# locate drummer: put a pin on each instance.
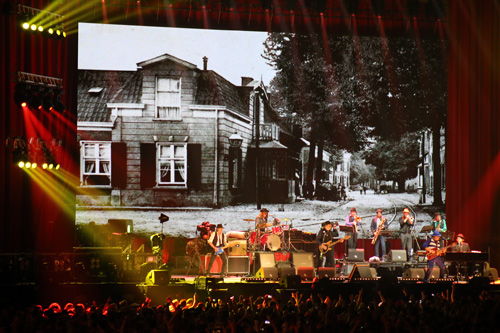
(261, 221)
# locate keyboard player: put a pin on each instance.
(456, 268)
(460, 245)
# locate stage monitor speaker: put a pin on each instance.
(356, 255)
(414, 273)
(363, 271)
(158, 277)
(238, 265)
(397, 256)
(240, 249)
(267, 273)
(280, 264)
(435, 273)
(305, 273)
(290, 282)
(491, 273)
(265, 260)
(302, 259)
(327, 272)
(285, 270)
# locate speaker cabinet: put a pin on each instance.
(328, 272)
(285, 270)
(363, 271)
(356, 255)
(240, 249)
(414, 273)
(265, 260)
(302, 259)
(397, 256)
(435, 273)
(238, 265)
(305, 273)
(310, 246)
(158, 277)
(290, 282)
(267, 273)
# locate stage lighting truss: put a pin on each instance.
(35, 153)
(39, 21)
(39, 92)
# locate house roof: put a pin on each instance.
(164, 57)
(213, 89)
(117, 87)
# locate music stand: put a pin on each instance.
(426, 229)
(346, 228)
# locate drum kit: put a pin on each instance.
(268, 236)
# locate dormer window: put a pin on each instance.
(168, 98)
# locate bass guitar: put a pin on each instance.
(330, 244)
(434, 252)
(221, 249)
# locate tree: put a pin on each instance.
(360, 172)
(395, 160)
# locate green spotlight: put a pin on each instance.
(33, 27)
(34, 165)
(27, 165)
(26, 25)
(45, 165)
(51, 166)
(20, 164)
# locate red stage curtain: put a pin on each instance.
(473, 162)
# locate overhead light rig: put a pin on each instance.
(39, 21)
(39, 92)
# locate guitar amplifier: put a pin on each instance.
(240, 249)
(397, 256)
(238, 265)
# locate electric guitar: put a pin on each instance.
(220, 250)
(431, 254)
(330, 244)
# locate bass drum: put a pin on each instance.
(273, 242)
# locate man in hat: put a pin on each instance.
(461, 245)
(432, 247)
(405, 224)
(261, 223)
(439, 224)
(217, 241)
(352, 220)
(326, 234)
(378, 224)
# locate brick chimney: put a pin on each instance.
(205, 63)
(245, 80)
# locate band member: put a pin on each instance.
(378, 224)
(327, 233)
(352, 220)
(218, 240)
(439, 224)
(460, 245)
(406, 223)
(432, 245)
(261, 221)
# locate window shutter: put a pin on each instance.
(118, 164)
(148, 165)
(194, 166)
(240, 168)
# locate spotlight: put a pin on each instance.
(58, 32)
(26, 25)
(51, 31)
(44, 166)
(23, 104)
(20, 164)
(58, 166)
(51, 166)
(34, 165)
(33, 27)
(40, 28)
(64, 34)
(27, 165)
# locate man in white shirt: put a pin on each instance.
(217, 241)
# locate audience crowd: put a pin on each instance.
(290, 312)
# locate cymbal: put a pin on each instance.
(264, 225)
(249, 220)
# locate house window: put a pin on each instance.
(95, 164)
(172, 164)
(168, 98)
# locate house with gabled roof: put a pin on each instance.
(160, 136)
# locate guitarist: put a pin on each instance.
(378, 224)
(327, 233)
(432, 245)
(218, 240)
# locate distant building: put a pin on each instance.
(426, 152)
(160, 136)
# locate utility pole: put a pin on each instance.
(256, 114)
